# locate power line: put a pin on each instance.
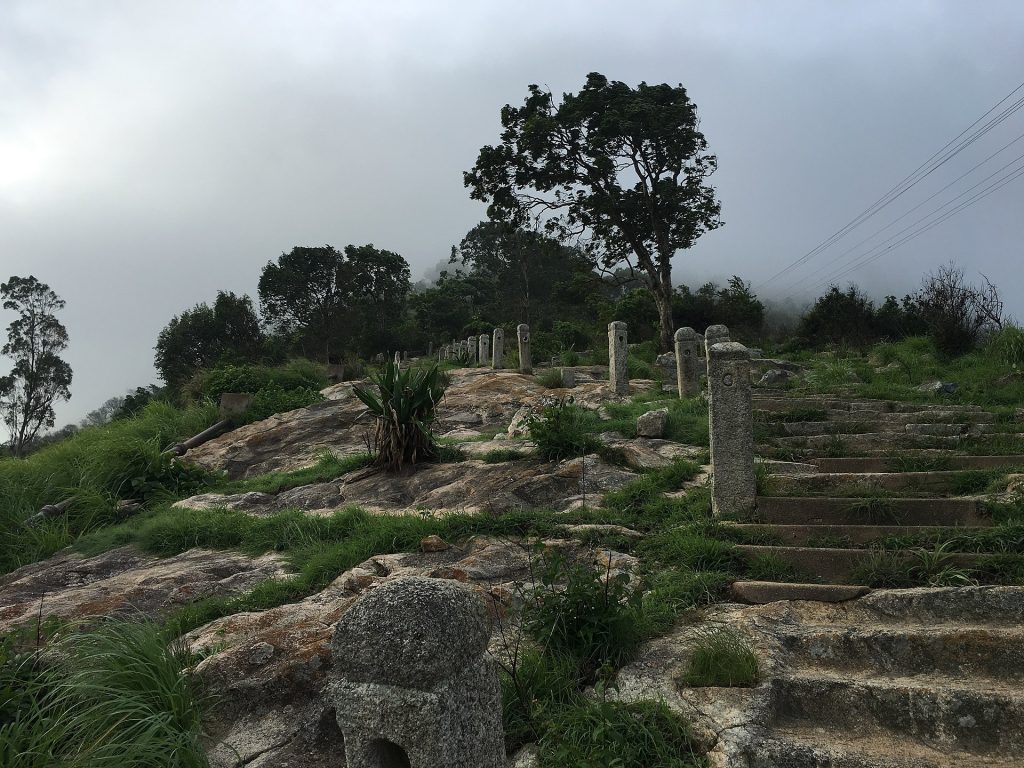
(867, 258)
(851, 249)
(933, 163)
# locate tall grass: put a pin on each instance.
(115, 696)
(97, 466)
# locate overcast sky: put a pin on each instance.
(152, 153)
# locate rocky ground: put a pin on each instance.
(839, 682)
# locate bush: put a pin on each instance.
(550, 379)
(273, 399)
(563, 431)
(404, 407)
(609, 733)
(117, 696)
(957, 314)
(590, 616)
(722, 657)
(1007, 346)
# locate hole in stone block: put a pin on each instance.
(385, 754)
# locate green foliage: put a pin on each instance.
(608, 733)
(500, 455)
(722, 658)
(578, 151)
(850, 319)
(39, 377)
(563, 431)
(583, 612)
(201, 337)
(550, 378)
(1007, 347)
(115, 696)
(329, 466)
(404, 409)
(734, 306)
(96, 466)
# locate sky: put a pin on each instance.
(153, 153)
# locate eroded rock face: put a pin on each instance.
(469, 487)
(476, 398)
(126, 581)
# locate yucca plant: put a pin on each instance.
(404, 407)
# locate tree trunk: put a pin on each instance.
(663, 298)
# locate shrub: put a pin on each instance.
(273, 399)
(610, 733)
(404, 407)
(956, 313)
(550, 379)
(117, 696)
(579, 611)
(724, 658)
(563, 431)
(1007, 346)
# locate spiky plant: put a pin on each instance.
(404, 407)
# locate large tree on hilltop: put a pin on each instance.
(39, 377)
(621, 170)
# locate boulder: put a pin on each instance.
(773, 377)
(652, 423)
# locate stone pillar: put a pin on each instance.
(525, 361)
(568, 378)
(618, 350)
(234, 404)
(413, 684)
(733, 485)
(715, 334)
(405, 356)
(485, 349)
(398, 357)
(471, 345)
(687, 371)
(498, 349)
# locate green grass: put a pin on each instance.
(499, 455)
(721, 658)
(115, 696)
(550, 378)
(329, 466)
(687, 418)
(97, 466)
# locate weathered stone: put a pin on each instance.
(484, 355)
(414, 685)
(234, 404)
(732, 429)
(761, 592)
(618, 351)
(687, 370)
(525, 360)
(652, 423)
(715, 334)
(939, 387)
(498, 349)
(774, 377)
(568, 378)
(434, 543)
(472, 349)
(124, 581)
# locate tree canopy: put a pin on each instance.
(620, 170)
(39, 377)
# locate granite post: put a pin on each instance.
(733, 485)
(498, 349)
(525, 361)
(687, 371)
(618, 351)
(485, 349)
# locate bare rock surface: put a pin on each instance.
(924, 677)
(468, 487)
(271, 668)
(126, 581)
(476, 399)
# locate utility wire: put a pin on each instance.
(793, 286)
(933, 163)
(867, 258)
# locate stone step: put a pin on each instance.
(840, 535)
(865, 441)
(765, 402)
(807, 746)
(791, 484)
(833, 565)
(846, 427)
(763, 592)
(899, 464)
(981, 717)
(960, 650)
(922, 606)
(819, 510)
